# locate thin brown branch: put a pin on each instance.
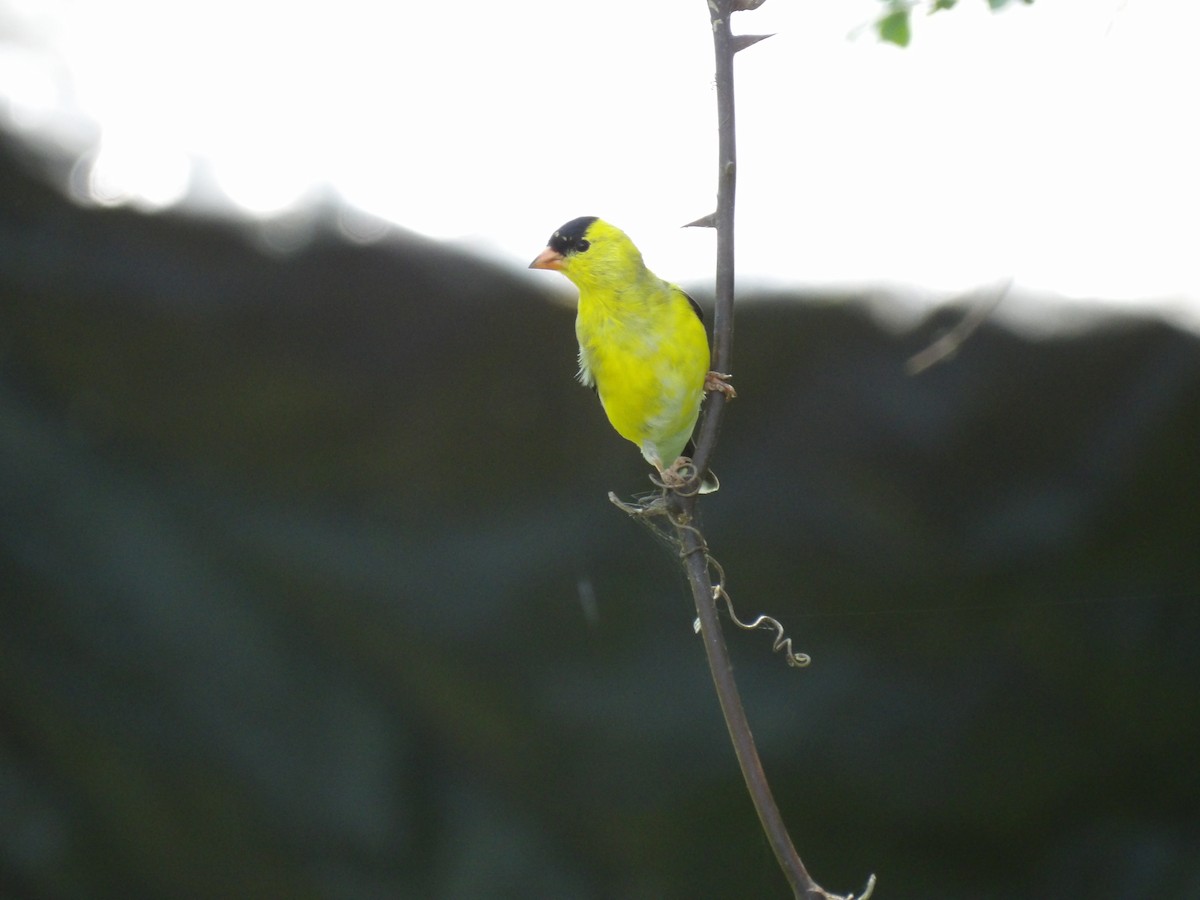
(696, 564)
(722, 220)
(682, 506)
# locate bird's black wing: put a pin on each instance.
(692, 300)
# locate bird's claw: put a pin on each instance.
(718, 381)
(678, 474)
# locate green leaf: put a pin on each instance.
(894, 28)
(943, 4)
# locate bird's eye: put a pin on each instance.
(582, 245)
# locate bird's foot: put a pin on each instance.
(679, 474)
(717, 381)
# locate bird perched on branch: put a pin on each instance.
(642, 344)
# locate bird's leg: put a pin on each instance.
(716, 381)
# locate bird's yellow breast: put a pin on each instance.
(645, 350)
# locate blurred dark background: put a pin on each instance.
(310, 588)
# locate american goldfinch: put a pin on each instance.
(642, 343)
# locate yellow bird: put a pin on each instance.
(642, 344)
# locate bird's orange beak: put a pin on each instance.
(548, 259)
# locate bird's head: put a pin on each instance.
(591, 253)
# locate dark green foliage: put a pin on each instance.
(311, 589)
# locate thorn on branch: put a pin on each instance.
(743, 5)
(709, 221)
(741, 41)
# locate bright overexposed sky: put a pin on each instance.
(1057, 143)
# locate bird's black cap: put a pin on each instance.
(569, 237)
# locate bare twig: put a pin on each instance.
(680, 506)
(946, 346)
(696, 564)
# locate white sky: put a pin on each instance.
(1056, 143)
